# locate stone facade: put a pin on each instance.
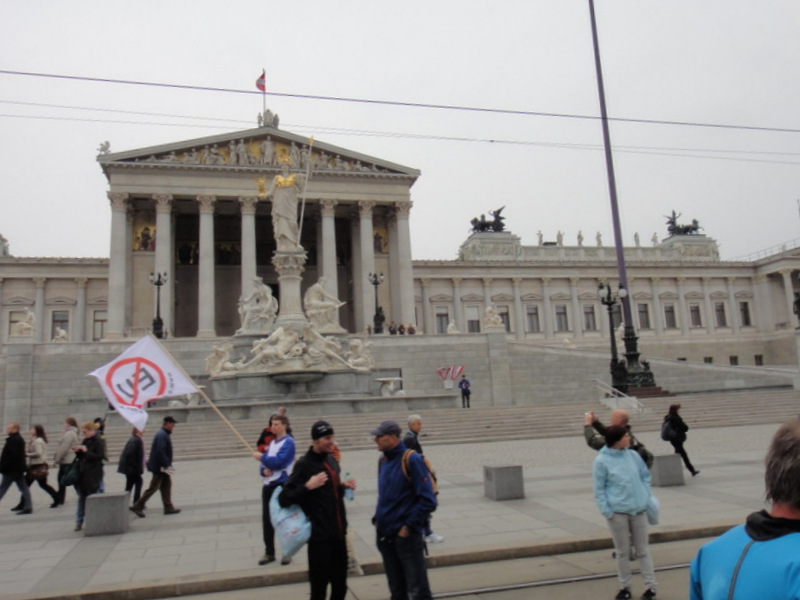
(200, 211)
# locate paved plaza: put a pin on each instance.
(216, 541)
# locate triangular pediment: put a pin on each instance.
(256, 150)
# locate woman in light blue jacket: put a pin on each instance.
(622, 491)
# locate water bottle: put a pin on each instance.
(348, 492)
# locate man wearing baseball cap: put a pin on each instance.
(405, 502)
(159, 463)
(316, 486)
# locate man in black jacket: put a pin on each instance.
(12, 467)
(316, 486)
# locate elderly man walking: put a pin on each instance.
(411, 440)
(405, 502)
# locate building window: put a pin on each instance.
(532, 319)
(99, 325)
(562, 320)
(616, 315)
(734, 361)
(694, 315)
(709, 360)
(473, 319)
(589, 320)
(15, 316)
(442, 319)
(669, 317)
(719, 311)
(502, 312)
(759, 360)
(744, 313)
(644, 315)
(60, 319)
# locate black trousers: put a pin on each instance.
(682, 452)
(266, 522)
(327, 564)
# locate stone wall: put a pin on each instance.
(44, 383)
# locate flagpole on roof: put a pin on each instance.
(206, 398)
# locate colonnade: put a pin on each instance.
(119, 284)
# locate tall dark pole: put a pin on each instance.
(158, 280)
(377, 323)
(637, 375)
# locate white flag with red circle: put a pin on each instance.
(143, 373)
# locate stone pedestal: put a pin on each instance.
(107, 514)
(503, 482)
(667, 471)
(290, 267)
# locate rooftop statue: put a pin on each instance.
(674, 228)
(496, 224)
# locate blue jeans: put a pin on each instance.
(404, 563)
(22, 485)
(81, 514)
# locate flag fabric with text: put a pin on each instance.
(261, 82)
(141, 374)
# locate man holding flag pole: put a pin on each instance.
(143, 373)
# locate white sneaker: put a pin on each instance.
(434, 539)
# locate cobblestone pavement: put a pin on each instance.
(218, 534)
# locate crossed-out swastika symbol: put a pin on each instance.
(132, 381)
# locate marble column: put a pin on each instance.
(328, 242)
(206, 315)
(367, 250)
(577, 316)
(711, 317)
(487, 299)
(458, 307)
(42, 331)
(394, 269)
(548, 315)
(764, 316)
(682, 309)
(358, 276)
(406, 276)
(248, 205)
(78, 330)
(519, 316)
(164, 262)
(428, 326)
(733, 308)
(788, 289)
(658, 310)
(118, 266)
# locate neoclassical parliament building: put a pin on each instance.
(198, 212)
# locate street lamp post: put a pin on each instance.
(609, 299)
(637, 374)
(377, 324)
(158, 280)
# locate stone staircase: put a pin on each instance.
(193, 441)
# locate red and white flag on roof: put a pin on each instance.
(143, 373)
(261, 82)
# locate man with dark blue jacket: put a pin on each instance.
(405, 502)
(159, 463)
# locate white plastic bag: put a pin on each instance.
(653, 506)
(292, 527)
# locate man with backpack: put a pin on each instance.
(405, 502)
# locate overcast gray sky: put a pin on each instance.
(715, 62)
